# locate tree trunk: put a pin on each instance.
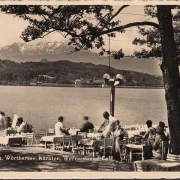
(170, 73)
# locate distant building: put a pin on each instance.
(77, 82)
(32, 84)
(81, 82)
(46, 79)
(87, 82)
(98, 81)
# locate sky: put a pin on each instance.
(11, 28)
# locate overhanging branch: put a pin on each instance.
(119, 10)
(98, 33)
(145, 23)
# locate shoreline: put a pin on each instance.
(85, 86)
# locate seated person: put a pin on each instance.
(7, 122)
(2, 115)
(21, 126)
(119, 132)
(162, 124)
(157, 145)
(150, 133)
(59, 128)
(87, 125)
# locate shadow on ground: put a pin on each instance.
(38, 160)
(41, 160)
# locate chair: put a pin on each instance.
(82, 134)
(172, 157)
(146, 153)
(138, 166)
(29, 139)
(58, 143)
(123, 153)
(38, 138)
(75, 144)
(67, 142)
(106, 166)
(126, 137)
(107, 146)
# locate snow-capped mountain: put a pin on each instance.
(24, 52)
(55, 51)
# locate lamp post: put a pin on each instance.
(112, 82)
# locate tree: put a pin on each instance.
(162, 45)
(86, 27)
(151, 37)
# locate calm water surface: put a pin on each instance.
(41, 106)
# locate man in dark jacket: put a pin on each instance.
(87, 125)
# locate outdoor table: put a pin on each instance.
(94, 143)
(52, 139)
(134, 147)
(160, 165)
(10, 140)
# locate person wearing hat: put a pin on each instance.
(86, 126)
(59, 128)
(157, 145)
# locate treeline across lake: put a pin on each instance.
(66, 72)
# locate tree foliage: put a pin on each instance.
(66, 72)
(86, 26)
(151, 36)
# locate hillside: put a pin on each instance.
(53, 51)
(66, 72)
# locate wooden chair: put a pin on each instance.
(58, 143)
(67, 143)
(31, 139)
(82, 134)
(123, 153)
(38, 138)
(107, 146)
(75, 144)
(138, 166)
(126, 137)
(106, 166)
(172, 157)
(144, 154)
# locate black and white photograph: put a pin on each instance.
(89, 88)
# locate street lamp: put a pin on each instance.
(112, 82)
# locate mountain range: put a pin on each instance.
(57, 51)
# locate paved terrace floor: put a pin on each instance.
(47, 160)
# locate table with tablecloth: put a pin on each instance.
(51, 139)
(158, 165)
(94, 143)
(10, 140)
(132, 147)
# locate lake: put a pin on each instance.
(41, 106)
